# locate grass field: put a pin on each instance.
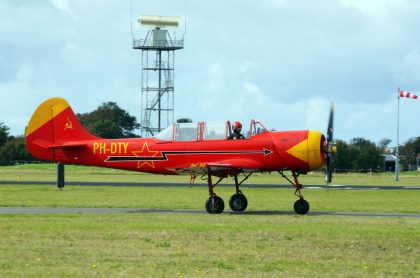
(29, 172)
(202, 245)
(156, 245)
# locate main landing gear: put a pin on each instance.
(216, 205)
(301, 206)
(238, 201)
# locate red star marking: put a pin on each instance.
(145, 152)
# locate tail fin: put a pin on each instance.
(54, 126)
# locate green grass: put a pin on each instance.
(402, 201)
(29, 172)
(202, 245)
(162, 245)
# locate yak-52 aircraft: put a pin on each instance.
(55, 134)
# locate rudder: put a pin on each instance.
(52, 125)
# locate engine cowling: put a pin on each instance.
(301, 150)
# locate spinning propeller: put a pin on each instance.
(330, 147)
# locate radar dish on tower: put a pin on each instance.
(158, 21)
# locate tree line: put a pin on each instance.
(12, 148)
(110, 121)
(106, 121)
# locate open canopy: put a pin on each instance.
(202, 131)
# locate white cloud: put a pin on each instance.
(64, 6)
(246, 66)
(213, 89)
(25, 73)
(279, 61)
(382, 10)
(407, 71)
(316, 112)
(252, 93)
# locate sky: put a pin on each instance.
(280, 61)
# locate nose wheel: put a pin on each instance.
(301, 206)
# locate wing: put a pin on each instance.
(221, 168)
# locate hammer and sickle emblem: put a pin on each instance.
(68, 125)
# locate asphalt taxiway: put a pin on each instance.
(35, 210)
(154, 184)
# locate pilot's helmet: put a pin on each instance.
(237, 126)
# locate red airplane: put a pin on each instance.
(55, 134)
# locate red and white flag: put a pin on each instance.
(407, 94)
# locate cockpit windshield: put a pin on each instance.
(185, 132)
(166, 134)
(213, 131)
(257, 128)
(179, 132)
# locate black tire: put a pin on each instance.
(215, 205)
(238, 202)
(301, 206)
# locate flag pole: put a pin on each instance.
(397, 153)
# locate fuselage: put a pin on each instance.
(54, 133)
(268, 151)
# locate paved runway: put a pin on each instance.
(145, 184)
(27, 210)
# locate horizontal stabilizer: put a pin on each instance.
(50, 145)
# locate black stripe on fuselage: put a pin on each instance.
(164, 155)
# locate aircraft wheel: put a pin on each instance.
(301, 206)
(215, 205)
(238, 202)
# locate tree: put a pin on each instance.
(409, 151)
(413, 144)
(14, 150)
(342, 159)
(109, 121)
(4, 134)
(365, 155)
(359, 155)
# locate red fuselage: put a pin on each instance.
(60, 137)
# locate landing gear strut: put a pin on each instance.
(237, 202)
(301, 206)
(214, 204)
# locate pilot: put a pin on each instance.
(237, 128)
